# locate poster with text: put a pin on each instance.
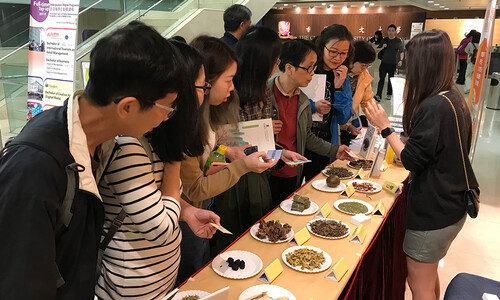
(51, 58)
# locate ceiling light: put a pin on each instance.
(372, 4)
(323, 3)
(442, 6)
(297, 9)
(345, 9)
(446, 8)
(430, 1)
(286, 4)
(436, 4)
(365, 3)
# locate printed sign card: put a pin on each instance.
(359, 235)
(338, 270)
(324, 211)
(300, 237)
(379, 209)
(348, 192)
(368, 142)
(392, 187)
(271, 272)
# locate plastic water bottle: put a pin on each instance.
(215, 156)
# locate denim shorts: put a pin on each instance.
(431, 246)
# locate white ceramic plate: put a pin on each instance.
(286, 205)
(255, 228)
(377, 186)
(348, 177)
(328, 237)
(322, 186)
(253, 264)
(183, 294)
(351, 166)
(272, 291)
(336, 205)
(324, 266)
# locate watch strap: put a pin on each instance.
(387, 131)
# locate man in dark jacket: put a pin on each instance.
(131, 90)
(236, 22)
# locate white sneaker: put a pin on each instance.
(389, 97)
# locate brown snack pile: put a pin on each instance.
(340, 172)
(329, 228)
(274, 230)
(306, 259)
(363, 187)
(361, 163)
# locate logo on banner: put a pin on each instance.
(40, 9)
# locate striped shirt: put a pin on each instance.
(142, 259)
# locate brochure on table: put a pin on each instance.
(316, 91)
(368, 142)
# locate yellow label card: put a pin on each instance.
(385, 165)
(272, 271)
(348, 192)
(379, 209)
(359, 234)
(338, 270)
(361, 174)
(301, 237)
(392, 187)
(324, 211)
(390, 155)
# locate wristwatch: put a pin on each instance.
(387, 131)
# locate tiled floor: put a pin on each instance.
(476, 249)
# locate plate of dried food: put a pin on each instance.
(325, 186)
(299, 205)
(266, 292)
(328, 228)
(190, 295)
(365, 186)
(342, 173)
(272, 232)
(306, 259)
(360, 163)
(353, 206)
(237, 264)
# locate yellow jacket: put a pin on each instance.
(364, 93)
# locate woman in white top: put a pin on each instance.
(473, 45)
(142, 259)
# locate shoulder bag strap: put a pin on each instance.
(460, 140)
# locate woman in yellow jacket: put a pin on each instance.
(361, 87)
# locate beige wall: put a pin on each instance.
(457, 27)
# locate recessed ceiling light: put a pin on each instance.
(430, 1)
(372, 4)
(446, 8)
(286, 4)
(441, 6)
(436, 4)
(323, 3)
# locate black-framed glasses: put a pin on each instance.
(170, 109)
(309, 70)
(334, 53)
(206, 88)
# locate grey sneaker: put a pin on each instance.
(377, 98)
(389, 97)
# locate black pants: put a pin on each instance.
(317, 165)
(461, 71)
(383, 70)
(281, 188)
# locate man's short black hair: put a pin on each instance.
(133, 61)
(363, 52)
(392, 26)
(234, 15)
(294, 52)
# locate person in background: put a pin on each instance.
(377, 38)
(469, 49)
(433, 154)
(142, 258)
(391, 46)
(45, 257)
(335, 48)
(297, 64)
(462, 56)
(236, 22)
(361, 87)
(215, 92)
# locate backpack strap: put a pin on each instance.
(54, 146)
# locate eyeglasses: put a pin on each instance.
(170, 109)
(277, 62)
(309, 70)
(334, 53)
(206, 88)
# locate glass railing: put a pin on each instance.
(97, 18)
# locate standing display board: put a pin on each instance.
(51, 58)
(477, 92)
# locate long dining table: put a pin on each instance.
(376, 267)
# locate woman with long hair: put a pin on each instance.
(435, 154)
(219, 104)
(335, 48)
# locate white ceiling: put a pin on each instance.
(425, 4)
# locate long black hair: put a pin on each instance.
(259, 49)
(180, 134)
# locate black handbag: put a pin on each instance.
(471, 196)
